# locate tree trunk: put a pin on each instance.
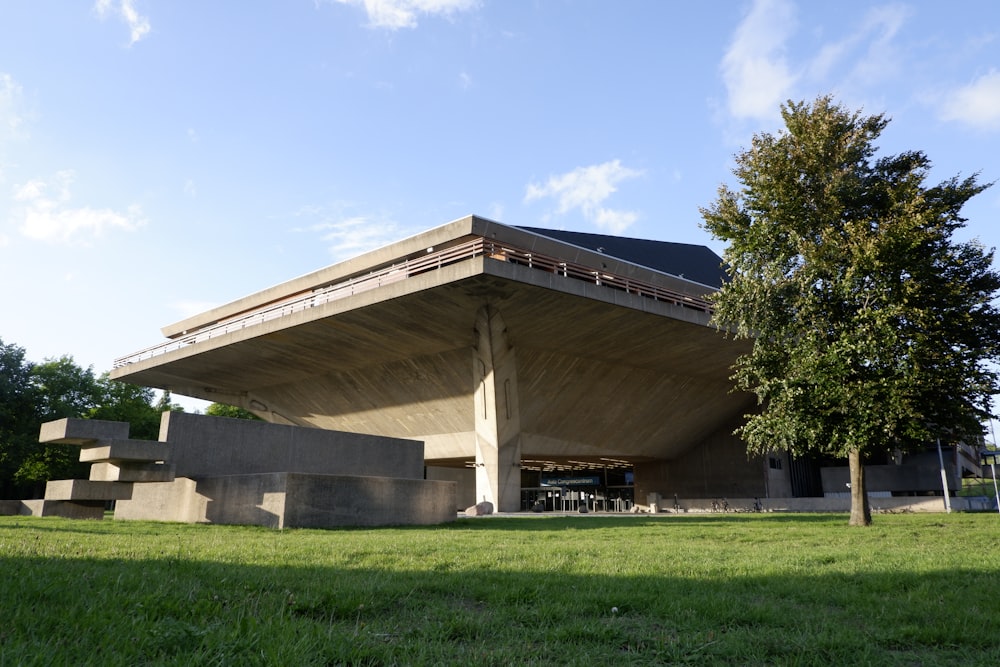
(861, 513)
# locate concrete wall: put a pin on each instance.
(465, 480)
(719, 467)
(313, 501)
(64, 508)
(211, 446)
(293, 500)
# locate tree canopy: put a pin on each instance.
(873, 328)
(33, 393)
(231, 411)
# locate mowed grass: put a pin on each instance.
(710, 589)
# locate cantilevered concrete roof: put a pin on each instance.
(614, 357)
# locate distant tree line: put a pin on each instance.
(33, 393)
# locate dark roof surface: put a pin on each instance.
(693, 262)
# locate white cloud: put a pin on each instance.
(586, 188)
(977, 104)
(754, 69)
(138, 25)
(45, 214)
(759, 76)
(396, 14)
(615, 222)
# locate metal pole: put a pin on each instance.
(944, 479)
(993, 467)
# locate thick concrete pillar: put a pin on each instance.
(498, 422)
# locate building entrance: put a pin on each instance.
(592, 490)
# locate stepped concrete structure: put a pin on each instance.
(218, 470)
(540, 368)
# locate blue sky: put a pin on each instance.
(161, 157)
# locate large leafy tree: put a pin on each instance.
(123, 402)
(18, 415)
(61, 388)
(33, 393)
(873, 328)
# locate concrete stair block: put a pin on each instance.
(72, 431)
(88, 509)
(82, 489)
(106, 471)
(149, 451)
(12, 507)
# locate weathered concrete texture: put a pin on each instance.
(293, 500)
(72, 431)
(315, 501)
(202, 446)
(465, 480)
(697, 474)
(83, 509)
(162, 501)
(106, 471)
(497, 414)
(11, 507)
(86, 490)
(123, 450)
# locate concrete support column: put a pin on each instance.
(498, 422)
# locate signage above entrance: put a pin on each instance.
(571, 481)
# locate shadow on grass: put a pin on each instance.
(377, 609)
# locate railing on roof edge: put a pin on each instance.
(432, 261)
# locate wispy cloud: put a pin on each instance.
(976, 104)
(396, 14)
(349, 235)
(13, 126)
(585, 189)
(864, 59)
(755, 71)
(759, 76)
(12, 122)
(880, 60)
(43, 212)
(138, 25)
(185, 309)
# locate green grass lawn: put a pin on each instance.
(711, 589)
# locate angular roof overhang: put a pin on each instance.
(610, 354)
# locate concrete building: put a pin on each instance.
(535, 365)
